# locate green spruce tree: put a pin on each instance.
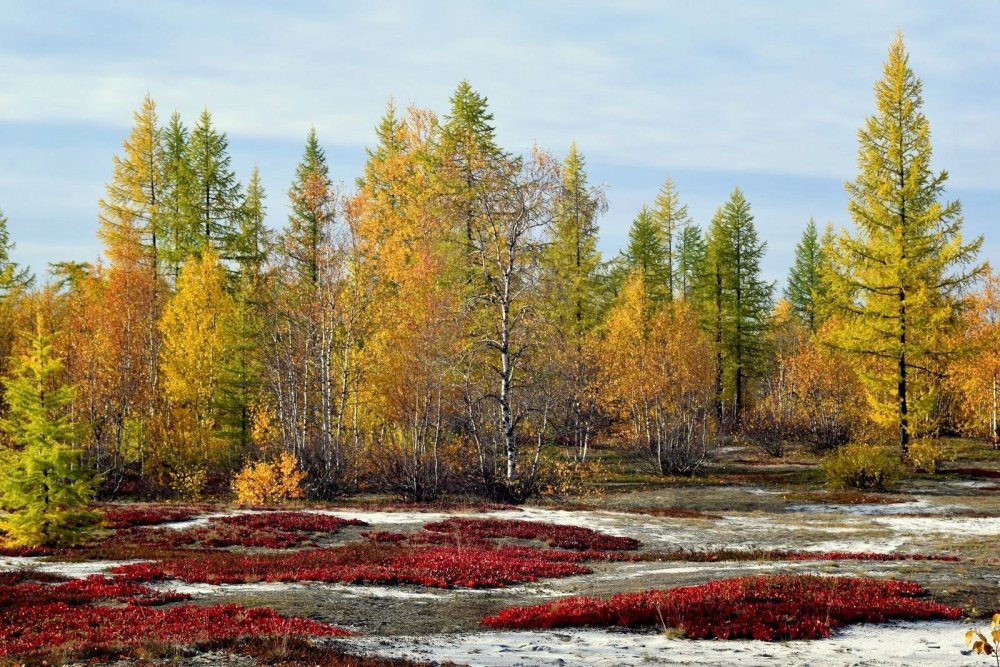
(214, 189)
(313, 210)
(45, 486)
(807, 290)
(647, 256)
(691, 259)
(13, 278)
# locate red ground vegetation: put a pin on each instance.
(128, 516)
(101, 613)
(270, 530)
(769, 608)
(555, 535)
(432, 566)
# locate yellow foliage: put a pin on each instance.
(275, 482)
(656, 378)
(927, 455)
(861, 466)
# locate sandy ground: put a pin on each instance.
(937, 644)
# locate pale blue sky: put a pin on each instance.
(766, 96)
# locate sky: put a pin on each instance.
(764, 96)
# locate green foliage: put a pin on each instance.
(738, 302)
(807, 290)
(571, 258)
(13, 278)
(672, 218)
(251, 242)
(691, 259)
(863, 467)
(45, 486)
(313, 211)
(215, 192)
(647, 255)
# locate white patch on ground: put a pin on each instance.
(198, 521)
(71, 570)
(383, 518)
(724, 569)
(344, 590)
(922, 644)
(881, 546)
(941, 525)
(875, 509)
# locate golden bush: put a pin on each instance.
(265, 482)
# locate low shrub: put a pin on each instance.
(265, 482)
(769, 608)
(270, 530)
(927, 456)
(129, 516)
(555, 535)
(431, 566)
(862, 467)
(101, 613)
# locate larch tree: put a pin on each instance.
(747, 298)
(807, 289)
(974, 377)
(131, 207)
(249, 252)
(656, 378)
(672, 217)
(178, 201)
(571, 265)
(313, 208)
(214, 190)
(311, 361)
(647, 254)
(413, 331)
(691, 257)
(45, 487)
(899, 277)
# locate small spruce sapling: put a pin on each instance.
(45, 487)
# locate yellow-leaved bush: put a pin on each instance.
(927, 456)
(266, 482)
(862, 466)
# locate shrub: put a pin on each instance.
(860, 466)
(432, 566)
(769, 608)
(275, 482)
(555, 535)
(927, 456)
(37, 618)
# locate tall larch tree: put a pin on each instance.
(133, 202)
(647, 255)
(748, 300)
(574, 291)
(672, 217)
(413, 339)
(691, 251)
(900, 275)
(45, 488)
(215, 192)
(807, 289)
(313, 208)
(178, 202)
